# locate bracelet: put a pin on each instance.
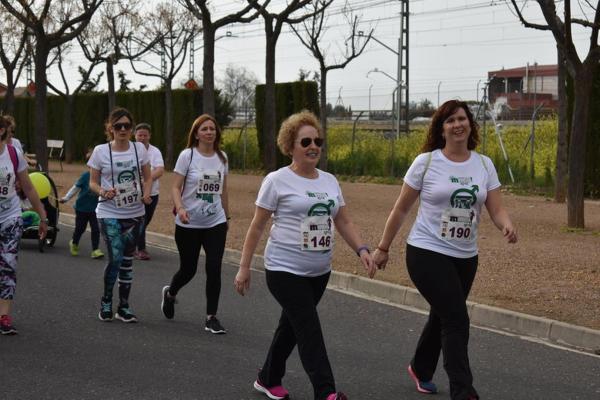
(382, 249)
(361, 248)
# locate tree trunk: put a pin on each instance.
(270, 119)
(41, 109)
(323, 112)
(69, 125)
(562, 148)
(8, 105)
(110, 77)
(579, 127)
(169, 123)
(208, 72)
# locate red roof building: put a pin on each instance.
(520, 90)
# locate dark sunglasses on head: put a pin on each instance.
(122, 126)
(305, 142)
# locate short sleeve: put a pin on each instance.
(492, 182)
(83, 180)
(183, 162)
(415, 174)
(267, 194)
(22, 163)
(341, 200)
(95, 160)
(143, 154)
(226, 165)
(156, 158)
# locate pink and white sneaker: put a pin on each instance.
(274, 392)
(337, 396)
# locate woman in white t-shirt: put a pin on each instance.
(452, 183)
(120, 175)
(12, 168)
(201, 203)
(305, 203)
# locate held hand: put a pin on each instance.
(183, 215)
(147, 200)
(242, 281)
(367, 261)
(43, 229)
(510, 233)
(62, 200)
(380, 258)
(109, 194)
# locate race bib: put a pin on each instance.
(7, 187)
(458, 224)
(127, 194)
(317, 233)
(210, 182)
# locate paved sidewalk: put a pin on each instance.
(538, 328)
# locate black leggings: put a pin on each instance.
(445, 283)
(189, 241)
(299, 324)
(81, 220)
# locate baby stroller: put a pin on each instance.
(50, 202)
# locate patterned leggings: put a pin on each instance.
(120, 236)
(10, 237)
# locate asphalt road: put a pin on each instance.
(64, 352)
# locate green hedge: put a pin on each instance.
(592, 148)
(91, 111)
(290, 97)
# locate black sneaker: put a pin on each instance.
(105, 313)
(6, 326)
(214, 326)
(125, 314)
(168, 303)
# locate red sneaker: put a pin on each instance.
(142, 255)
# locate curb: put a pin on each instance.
(516, 323)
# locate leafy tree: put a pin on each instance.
(13, 52)
(89, 83)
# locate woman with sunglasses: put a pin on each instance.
(305, 203)
(202, 210)
(120, 175)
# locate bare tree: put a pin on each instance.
(51, 27)
(13, 52)
(202, 10)
(239, 85)
(582, 73)
(106, 38)
(273, 24)
(175, 29)
(68, 95)
(311, 36)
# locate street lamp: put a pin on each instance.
(398, 78)
(395, 94)
(370, 86)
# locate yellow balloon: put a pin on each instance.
(41, 184)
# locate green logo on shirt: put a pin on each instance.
(464, 198)
(321, 208)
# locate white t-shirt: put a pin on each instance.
(200, 196)
(17, 144)
(292, 199)
(452, 194)
(124, 170)
(156, 161)
(10, 205)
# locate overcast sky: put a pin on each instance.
(452, 44)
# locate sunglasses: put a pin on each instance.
(305, 142)
(122, 126)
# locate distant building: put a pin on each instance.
(21, 91)
(516, 92)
